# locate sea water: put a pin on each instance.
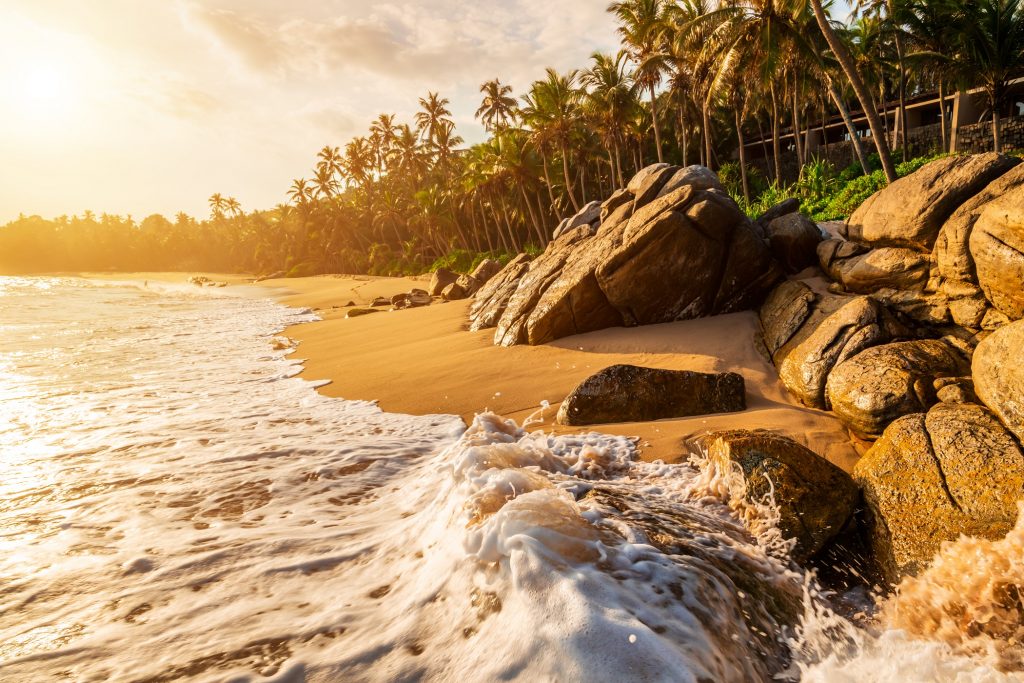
(175, 504)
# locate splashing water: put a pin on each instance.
(175, 504)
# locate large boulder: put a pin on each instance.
(954, 272)
(815, 499)
(651, 185)
(491, 300)
(589, 215)
(794, 241)
(910, 211)
(881, 268)
(485, 270)
(643, 177)
(784, 312)
(931, 478)
(439, 279)
(838, 328)
(628, 393)
(997, 247)
(687, 254)
(880, 384)
(998, 369)
(783, 208)
(617, 199)
(463, 288)
(696, 176)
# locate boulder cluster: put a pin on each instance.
(914, 339)
(671, 245)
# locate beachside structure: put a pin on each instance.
(968, 121)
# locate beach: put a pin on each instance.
(425, 361)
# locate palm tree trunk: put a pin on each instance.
(903, 84)
(997, 143)
(776, 145)
(483, 219)
(497, 224)
(796, 126)
(848, 120)
(863, 94)
(743, 156)
(513, 242)
(706, 113)
(764, 145)
(565, 175)
(533, 216)
(654, 121)
(547, 177)
(618, 164)
(544, 222)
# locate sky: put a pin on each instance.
(150, 106)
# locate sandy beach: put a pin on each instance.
(424, 361)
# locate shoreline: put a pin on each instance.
(425, 361)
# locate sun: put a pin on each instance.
(44, 84)
(42, 90)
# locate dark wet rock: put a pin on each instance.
(414, 298)
(998, 369)
(931, 478)
(381, 301)
(794, 240)
(785, 310)
(839, 328)
(628, 393)
(439, 279)
(954, 272)
(357, 312)
(815, 499)
(997, 247)
(910, 211)
(783, 208)
(490, 301)
(880, 384)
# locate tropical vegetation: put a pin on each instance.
(694, 80)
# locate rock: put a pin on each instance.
(815, 499)
(439, 279)
(651, 186)
(993, 320)
(954, 266)
(910, 211)
(356, 312)
(968, 311)
(491, 300)
(696, 176)
(617, 199)
(380, 301)
(955, 390)
(998, 369)
(589, 215)
(885, 267)
(642, 176)
(414, 298)
(931, 478)
(787, 307)
(485, 270)
(794, 240)
(783, 208)
(880, 384)
(839, 328)
(930, 309)
(463, 288)
(997, 247)
(511, 326)
(833, 252)
(617, 217)
(627, 393)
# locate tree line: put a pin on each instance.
(692, 82)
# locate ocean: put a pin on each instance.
(176, 504)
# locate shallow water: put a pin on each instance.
(176, 504)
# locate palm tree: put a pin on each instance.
(301, 193)
(232, 206)
(642, 26)
(931, 28)
(610, 99)
(552, 108)
(867, 103)
(497, 110)
(434, 115)
(994, 51)
(218, 204)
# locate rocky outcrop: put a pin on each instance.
(866, 271)
(997, 248)
(697, 177)
(880, 384)
(589, 215)
(932, 477)
(815, 499)
(910, 211)
(794, 241)
(491, 300)
(681, 255)
(998, 368)
(439, 279)
(485, 270)
(837, 328)
(628, 393)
